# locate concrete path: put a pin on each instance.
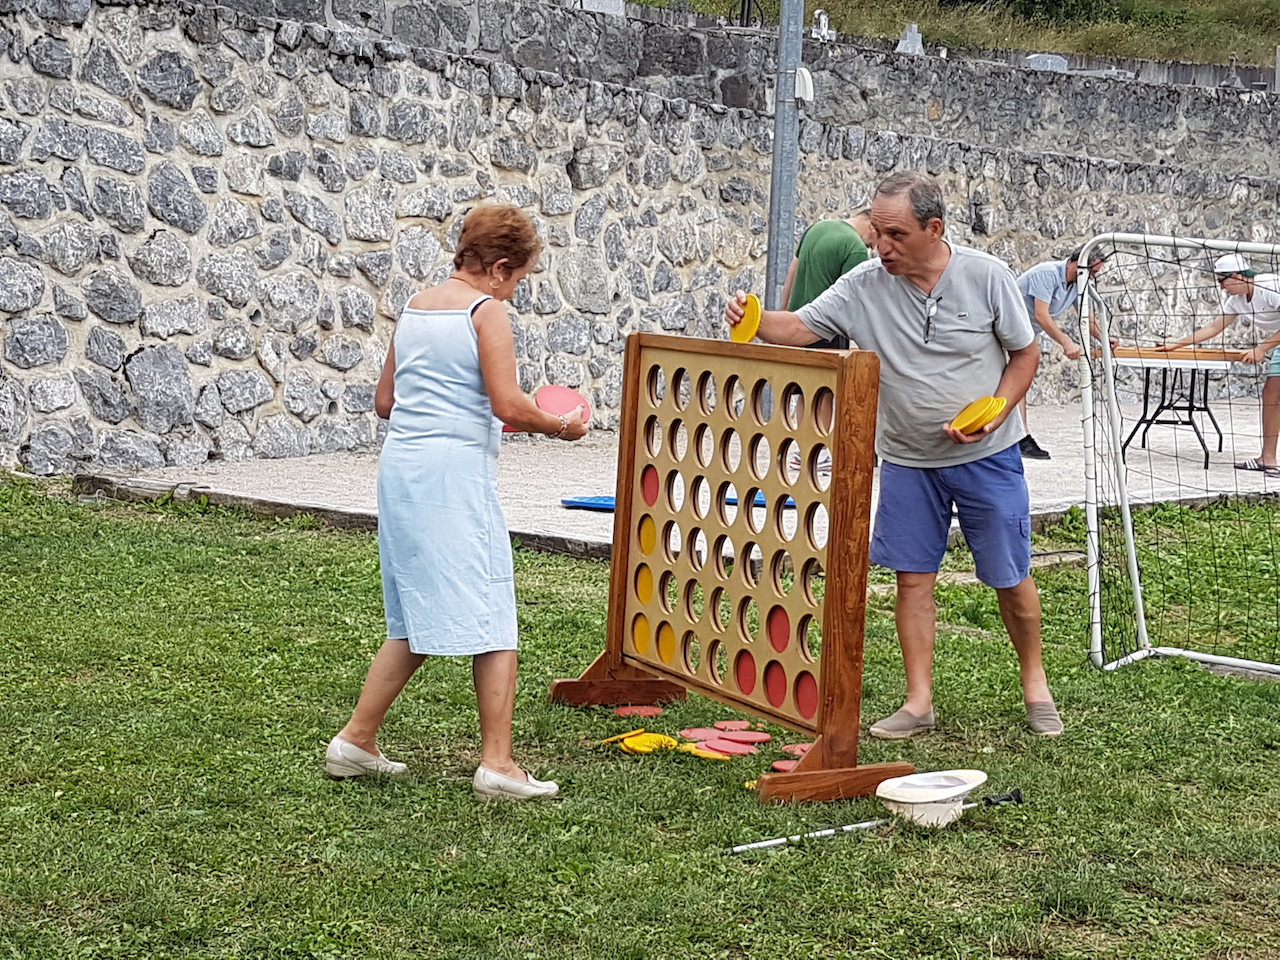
(535, 474)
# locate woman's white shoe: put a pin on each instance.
(490, 785)
(343, 759)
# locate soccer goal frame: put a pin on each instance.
(1104, 447)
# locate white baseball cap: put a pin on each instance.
(1231, 263)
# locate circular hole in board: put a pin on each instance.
(762, 401)
(682, 387)
(707, 397)
(656, 385)
(735, 398)
(793, 405)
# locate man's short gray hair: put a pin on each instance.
(923, 193)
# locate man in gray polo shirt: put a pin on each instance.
(949, 326)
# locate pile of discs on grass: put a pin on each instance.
(722, 741)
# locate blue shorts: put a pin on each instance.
(914, 517)
(1273, 366)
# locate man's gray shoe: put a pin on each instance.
(902, 725)
(1043, 719)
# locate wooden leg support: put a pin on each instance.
(604, 683)
(830, 784)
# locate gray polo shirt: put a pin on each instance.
(979, 316)
(1048, 282)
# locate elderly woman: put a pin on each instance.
(448, 385)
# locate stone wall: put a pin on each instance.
(210, 220)
(1218, 130)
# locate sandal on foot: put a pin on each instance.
(1257, 467)
(1042, 718)
(902, 725)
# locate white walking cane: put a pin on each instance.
(923, 812)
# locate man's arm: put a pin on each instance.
(791, 279)
(1259, 353)
(1050, 326)
(1207, 332)
(776, 326)
(1014, 384)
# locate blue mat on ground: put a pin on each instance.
(607, 503)
(588, 503)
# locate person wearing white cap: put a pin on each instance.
(1256, 296)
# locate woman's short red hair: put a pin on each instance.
(497, 231)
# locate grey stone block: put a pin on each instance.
(104, 395)
(242, 390)
(162, 384)
(166, 318)
(35, 343)
(163, 260)
(170, 198)
(110, 295)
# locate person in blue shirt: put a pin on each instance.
(1050, 290)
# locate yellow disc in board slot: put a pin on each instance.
(648, 531)
(640, 638)
(666, 642)
(644, 583)
(746, 328)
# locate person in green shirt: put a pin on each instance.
(828, 250)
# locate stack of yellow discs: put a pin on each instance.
(648, 743)
(978, 414)
(746, 328)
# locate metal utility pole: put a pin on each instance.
(786, 153)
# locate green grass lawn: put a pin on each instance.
(171, 675)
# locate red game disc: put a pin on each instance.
(562, 401)
(700, 733)
(727, 746)
(785, 766)
(639, 711)
(745, 736)
(733, 724)
(797, 749)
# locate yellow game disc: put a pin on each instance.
(978, 414)
(746, 328)
(648, 742)
(705, 754)
(622, 736)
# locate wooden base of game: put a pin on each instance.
(608, 683)
(799, 786)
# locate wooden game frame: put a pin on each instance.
(627, 674)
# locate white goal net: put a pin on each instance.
(1182, 507)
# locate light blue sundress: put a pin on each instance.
(447, 580)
